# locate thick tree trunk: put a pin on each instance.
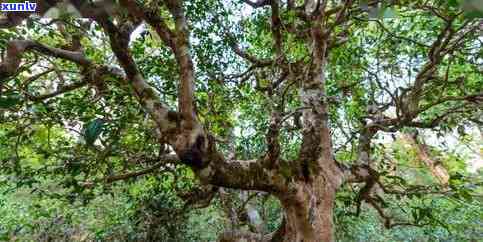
(308, 211)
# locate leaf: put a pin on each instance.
(466, 195)
(473, 14)
(415, 214)
(389, 13)
(92, 130)
(9, 101)
(453, 3)
(456, 176)
(398, 179)
(461, 130)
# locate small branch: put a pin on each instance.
(152, 19)
(186, 99)
(126, 176)
(59, 91)
(166, 159)
(35, 77)
(120, 46)
(276, 25)
(240, 52)
(341, 15)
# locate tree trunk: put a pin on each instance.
(308, 211)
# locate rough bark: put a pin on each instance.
(240, 236)
(308, 202)
(308, 212)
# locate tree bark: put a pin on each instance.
(308, 209)
(308, 202)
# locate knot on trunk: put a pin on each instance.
(193, 156)
(191, 148)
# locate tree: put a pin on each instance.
(320, 80)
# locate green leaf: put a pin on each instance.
(92, 130)
(9, 101)
(473, 14)
(453, 3)
(389, 13)
(415, 214)
(466, 195)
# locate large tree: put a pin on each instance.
(322, 81)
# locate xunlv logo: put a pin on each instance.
(18, 7)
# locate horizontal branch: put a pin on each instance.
(240, 174)
(164, 160)
(58, 92)
(16, 48)
(250, 58)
